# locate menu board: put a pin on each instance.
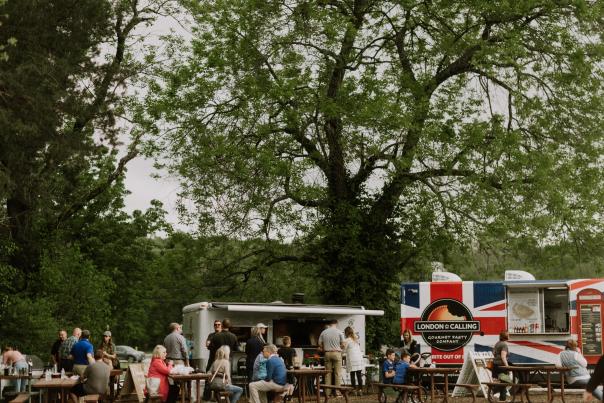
(591, 329)
(524, 311)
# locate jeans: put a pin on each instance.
(19, 385)
(234, 392)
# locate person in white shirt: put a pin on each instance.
(578, 376)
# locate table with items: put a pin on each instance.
(303, 377)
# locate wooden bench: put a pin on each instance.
(221, 396)
(470, 387)
(20, 398)
(285, 394)
(92, 398)
(522, 388)
(402, 389)
(342, 389)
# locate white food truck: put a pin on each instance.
(303, 323)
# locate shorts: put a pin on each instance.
(78, 390)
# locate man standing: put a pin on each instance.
(276, 375)
(82, 353)
(222, 338)
(56, 347)
(331, 341)
(210, 345)
(176, 346)
(95, 378)
(65, 350)
(225, 337)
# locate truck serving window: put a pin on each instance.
(304, 332)
(538, 309)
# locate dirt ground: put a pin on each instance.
(536, 397)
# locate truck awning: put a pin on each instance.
(328, 310)
(536, 283)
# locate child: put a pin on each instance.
(287, 352)
(400, 369)
(388, 366)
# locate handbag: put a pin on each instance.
(504, 377)
(217, 382)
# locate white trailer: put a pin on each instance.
(303, 323)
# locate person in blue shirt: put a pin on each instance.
(400, 369)
(276, 375)
(388, 366)
(83, 353)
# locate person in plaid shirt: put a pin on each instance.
(65, 350)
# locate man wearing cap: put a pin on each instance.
(176, 346)
(331, 341)
(82, 353)
(109, 353)
(253, 347)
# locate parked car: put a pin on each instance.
(127, 353)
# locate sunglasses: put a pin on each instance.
(217, 324)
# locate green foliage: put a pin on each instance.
(377, 132)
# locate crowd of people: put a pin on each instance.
(267, 364)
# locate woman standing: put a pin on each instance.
(253, 347)
(108, 347)
(159, 369)
(221, 368)
(354, 359)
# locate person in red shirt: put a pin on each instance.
(160, 369)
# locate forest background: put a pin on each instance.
(338, 155)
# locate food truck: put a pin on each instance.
(448, 316)
(302, 322)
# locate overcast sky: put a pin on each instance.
(140, 179)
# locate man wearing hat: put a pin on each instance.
(253, 347)
(109, 353)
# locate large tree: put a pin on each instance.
(368, 130)
(63, 92)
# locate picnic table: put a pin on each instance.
(524, 373)
(57, 385)
(432, 372)
(304, 375)
(186, 380)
